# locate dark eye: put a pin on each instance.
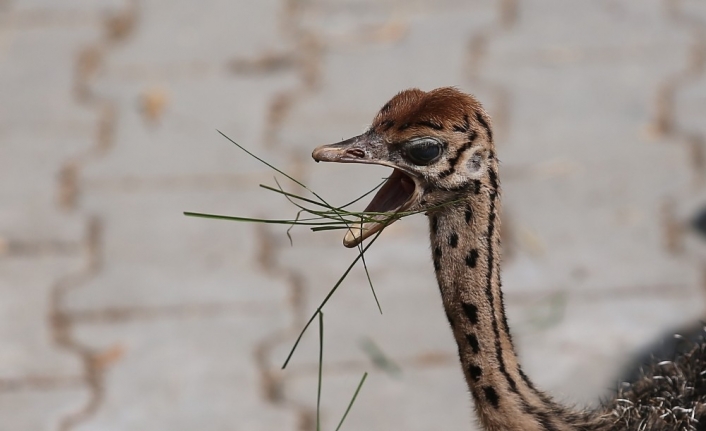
(423, 152)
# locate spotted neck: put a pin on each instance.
(466, 251)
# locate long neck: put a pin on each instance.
(466, 251)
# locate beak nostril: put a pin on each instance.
(356, 152)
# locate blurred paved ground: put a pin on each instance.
(118, 313)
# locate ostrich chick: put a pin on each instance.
(440, 146)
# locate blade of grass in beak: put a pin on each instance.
(259, 220)
(324, 214)
(262, 161)
(334, 213)
(321, 366)
(344, 221)
(360, 246)
(367, 274)
(276, 170)
(289, 229)
(337, 211)
(328, 296)
(366, 194)
(355, 395)
(321, 228)
(292, 195)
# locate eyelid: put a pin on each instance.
(424, 139)
(427, 140)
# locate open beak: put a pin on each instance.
(397, 194)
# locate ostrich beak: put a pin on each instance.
(397, 194)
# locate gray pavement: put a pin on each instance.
(119, 313)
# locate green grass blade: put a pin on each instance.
(367, 273)
(262, 161)
(276, 169)
(259, 220)
(355, 395)
(366, 194)
(333, 214)
(360, 246)
(289, 229)
(291, 195)
(321, 366)
(328, 296)
(370, 281)
(320, 228)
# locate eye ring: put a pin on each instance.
(423, 152)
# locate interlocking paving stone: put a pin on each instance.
(38, 410)
(39, 383)
(186, 33)
(26, 287)
(184, 374)
(41, 128)
(182, 145)
(153, 255)
(49, 6)
(40, 60)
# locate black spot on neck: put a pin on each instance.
(472, 258)
(453, 240)
(434, 224)
(469, 214)
(491, 396)
(475, 372)
(473, 342)
(476, 187)
(437, 252)
(471, 312)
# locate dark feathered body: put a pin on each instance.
(670, 396)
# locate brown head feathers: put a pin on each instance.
(442, 109)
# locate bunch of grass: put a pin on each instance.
(317, 214)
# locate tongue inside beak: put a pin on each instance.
(393, 197)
